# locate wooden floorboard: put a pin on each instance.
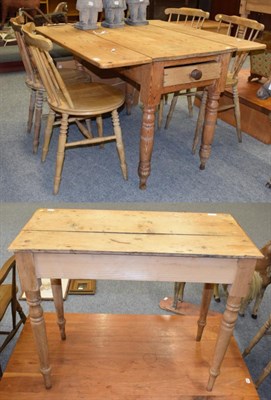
(126, 357)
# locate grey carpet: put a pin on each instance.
(234, 182)
(234, 172)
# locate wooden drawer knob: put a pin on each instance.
(196, 74)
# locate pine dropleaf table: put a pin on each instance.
(134, 245)
(160, 58)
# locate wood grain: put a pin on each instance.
(121, 357)
(135, 232)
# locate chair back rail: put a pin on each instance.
(193, 16)
(16, 24)
(244, 29)
(39, 48)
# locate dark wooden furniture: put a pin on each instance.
(257, 9)
(229, 7)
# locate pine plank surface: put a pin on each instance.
(132, 45)
(130, 232)
(204, 35)
(126, 357)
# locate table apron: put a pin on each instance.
(135, 267)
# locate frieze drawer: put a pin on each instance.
(191, 73)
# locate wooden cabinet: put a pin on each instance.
(229, 7)
(257, 9)
(48, 6)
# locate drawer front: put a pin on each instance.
(191, 73)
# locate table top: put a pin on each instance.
(239, 44)
(135, 45)
(135, 232)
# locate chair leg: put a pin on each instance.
(56, 286)
(266, 371)
(207, 295)
(38, 114)
(47, 134)
(20, 312)
(119, 143)
(88, 124)
(31, 110)
(171, 109)
(60, 151)
(178, 293)
(160, 112)
(129, 97)
(99, 122)
(200, 121)
(189, 102)
(237, 113)
(261, 332)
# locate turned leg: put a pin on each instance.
(31, 286)
(58, 301)
(39, 332)
(205, 304)
(37, 125)
(146, 145)
(200, 121)
(209, 127)
(223, 339)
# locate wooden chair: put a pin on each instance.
(33, 83)
(194, 18)
(264, 330)
(8, 296)
(37, 91)
(242, 28)
(85, 100)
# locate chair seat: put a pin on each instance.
(74, 76)
(90, 99)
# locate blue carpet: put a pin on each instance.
(234, 172)
(234, 182)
